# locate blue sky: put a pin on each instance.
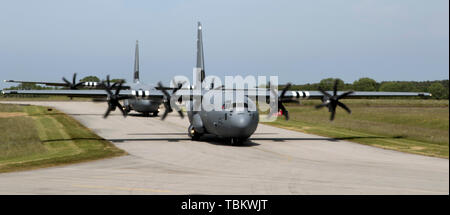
(300, 41)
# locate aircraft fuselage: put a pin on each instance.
(235, 120)
(141, 103)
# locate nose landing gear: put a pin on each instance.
(235, 141)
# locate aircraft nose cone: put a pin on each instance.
(242, 122)
(243, 125)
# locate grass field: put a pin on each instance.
(33, 137)
(415, 126)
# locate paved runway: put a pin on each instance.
(163, 160)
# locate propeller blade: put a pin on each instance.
(113, 99)
(118, 88)
(121, 109)
(108, 91)
(160, 86)
(333, 101)
(107, 112)
(283, 110)
(333, 112)
(166, 103)
(113, 85)
(342, 105)
(286, 88)
(180, 112)
(107, 81)
(74, 78)
(321, 105)
(325, 93)
(335, 87)
(79, 84)
(65, 80)
(343, 95)
(165, 114)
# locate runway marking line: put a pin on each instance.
(120, 188)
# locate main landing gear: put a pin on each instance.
(194, 135)
(126, 108)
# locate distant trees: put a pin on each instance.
(118, 80)
(398, 86)
(29, 86)
(328, 83)
(96, 79)
(438, 91)
(90, 79)
(439, 88)
(365, 84)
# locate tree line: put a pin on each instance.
(439, 88)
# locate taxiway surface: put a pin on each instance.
(163, 160)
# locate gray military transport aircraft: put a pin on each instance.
(139, 102)
(235, 121)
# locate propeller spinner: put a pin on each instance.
(332, 101)
(167, 105)
(282, 98)
(113, 99)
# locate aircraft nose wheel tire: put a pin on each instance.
(194, 135)
(236, 141)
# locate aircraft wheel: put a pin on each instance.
(126, 109)
(236, 141)
(146, 114)
(194, 135)
(155, 113)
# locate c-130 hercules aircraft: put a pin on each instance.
(236, 120)
(139, 102)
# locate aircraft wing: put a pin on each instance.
(306, 94)
(356, 94)
(87, 84)
(59, 84)
(86, 93)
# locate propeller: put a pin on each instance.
(178, 85)
(167, 105)
(73, 85)
(113, 98)
(332, 101)
(282, 98)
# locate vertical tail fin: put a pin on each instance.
(200, 55)
(136, 64)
